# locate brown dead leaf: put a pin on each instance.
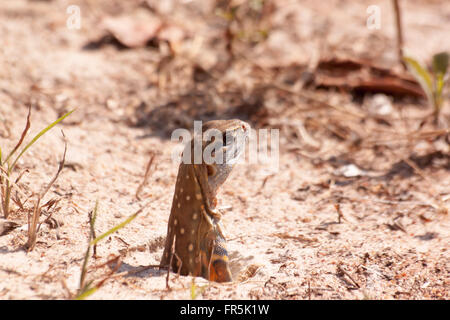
(363, 75)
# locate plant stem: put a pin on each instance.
(398, 22)
(6, 199)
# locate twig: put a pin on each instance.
(92, 217)
(24, 133)
(179, 262)
(114, 259)
(138, 270)
(309, 290)
(340, 269)
(337, 206)
(146, 175)
(263, 184)
(61, 166)
(66, 288)
(172, 251)
(109, 275)
(398, 22)
(82, 286)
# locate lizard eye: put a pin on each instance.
(211, 170)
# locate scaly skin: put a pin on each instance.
(194, 223)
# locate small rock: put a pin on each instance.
(380, 104)
(350, 171)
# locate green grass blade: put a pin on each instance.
(84, 266)
(438, 92)
(439, 84)
(422, 75)
(119, 226)
(86, 292)
(38, 136)
(193, 290)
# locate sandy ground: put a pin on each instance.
(286, 238)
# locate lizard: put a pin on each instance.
(195, 244)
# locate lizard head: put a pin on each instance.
(224, 143)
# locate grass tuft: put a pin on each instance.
(7, 166)
(87, 289)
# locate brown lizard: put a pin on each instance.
(195, 244)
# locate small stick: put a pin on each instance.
(114, 259)
(146, 175)
(21, 174)
(309, 290)
(61, 166)
(24, 133)
(181, 263)
(109, 275)
(138, 270)
(87, 254)
(92, 229)
(398, 22)
(172, 251)
(338, 209)
(348, 275)
(263, 184)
